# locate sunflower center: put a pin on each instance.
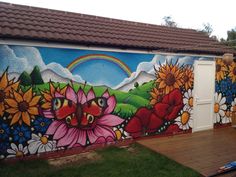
(186, 78)
(19, 153)
(23, 106)
(234, 71)
(21, 134)
(170, 79)
(216, 107)
(44, 140)
(1, 131)
(42, 124)
(185, 118)
(190, 102)
(218, 68)
(2, 96)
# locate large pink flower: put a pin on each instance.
(100, 131)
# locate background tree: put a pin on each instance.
(168, 21)
(231, 39)
(207, 28)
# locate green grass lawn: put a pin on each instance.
(136, 161)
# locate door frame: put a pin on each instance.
(195, 129)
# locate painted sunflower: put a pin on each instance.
(49, 95)
(169, 77)
(188, 77)
(22, 106)
(232, 72)
(221, 69)
(6, 87)
(156, 96)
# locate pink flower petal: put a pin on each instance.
(81, 96)
(74, 140)
(76, 145)
(109, 139)
(111, 102)
(106, 94)
(70, 94)
(110, 120)
(48, 114)
(100, 140)
(58, 95)
(103, 131)
(92, 137)
(90, 95)
(82, 137)
(53, 127)
(61, 131)
(68, 138)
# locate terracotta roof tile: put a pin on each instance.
(23, 22)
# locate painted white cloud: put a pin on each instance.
(21, 58)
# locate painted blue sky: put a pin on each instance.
(98, 72)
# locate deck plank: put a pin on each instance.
(203, 151)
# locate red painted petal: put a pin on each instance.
(175, 97)
(161, 109)
(173, 129)
(174, 113)
(134, 125)
(136, 135)
(165, 99)
(154, 123)
(144, 115)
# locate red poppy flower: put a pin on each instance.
(144, 121)
(170, 105)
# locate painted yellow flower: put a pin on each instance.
(5, 89)
(169, 77)
(156, 95)
(232, 72)
(188, 77)
(221, 69)
(49, 95)
(22, 106)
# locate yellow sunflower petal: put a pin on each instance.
(2, 109)
(11, 102)
(4, 81)
(12, 110)
(63, 90)
(17, 96)
(33, 110)
(52, 88)
(162, 84)
(47, 96)
(13, 86)
(26, 118)
(34, 101)
(153, 101)
(46, 105)
(162, 75)
(16, 118)
(28, 95)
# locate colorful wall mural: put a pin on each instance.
(225, 91)
(53, 99)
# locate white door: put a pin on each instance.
(204, 88)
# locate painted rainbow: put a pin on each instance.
(111, 59)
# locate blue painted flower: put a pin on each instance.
(41, 124)
(21, 134)
(233, 87)
(229, 96)
(225, 84)
(4, 131)
(217, 87)
(3, 147)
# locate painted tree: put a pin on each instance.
(25, 79)
(36, 76)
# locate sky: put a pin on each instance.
(186, 13)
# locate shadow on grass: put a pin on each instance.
(134, 161)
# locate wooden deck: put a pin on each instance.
(202, 151)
